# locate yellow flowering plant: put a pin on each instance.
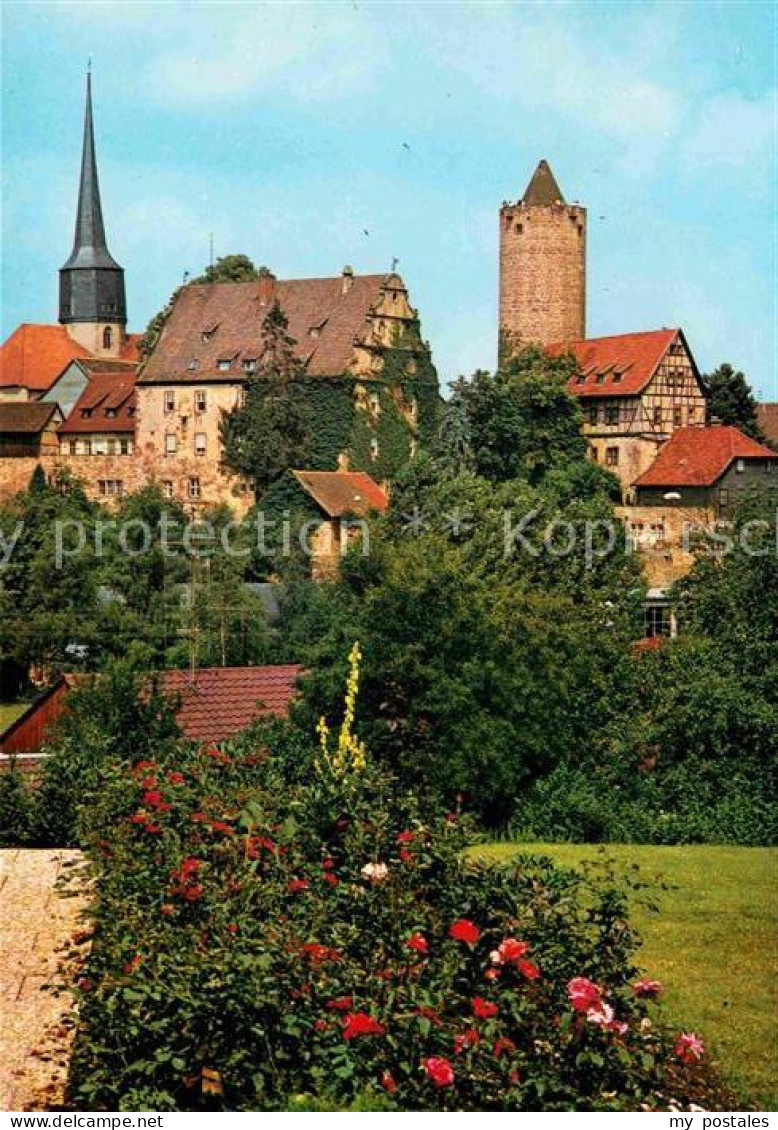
(350, 755)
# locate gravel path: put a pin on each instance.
(41, 941)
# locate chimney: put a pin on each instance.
(347, 276)
(267, 285)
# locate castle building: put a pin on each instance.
(369, 377)
(542, 266)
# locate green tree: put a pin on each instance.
(730, 400)
(521, 420)
(231, 268)
(271, 431)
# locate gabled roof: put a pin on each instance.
(543, 188)
(213, 322)
(26, 417)
(217, 702)
(621, 365)
(767, 417)
(34, 356)
(109, 400)
(343, 492)
(697, 457)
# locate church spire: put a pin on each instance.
(543, 188)
(91, 281)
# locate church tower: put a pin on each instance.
(92, 305)
(542, 266)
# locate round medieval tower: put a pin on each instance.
(542, 266)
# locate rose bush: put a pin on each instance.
(259, 939)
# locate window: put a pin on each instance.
(374, 449)
(193, 488)
(193, 364)
(250, 364)
(677, 417)
(600, 378)
(240, 399)
(110, 413)
(99, 447)
(594, 454)
(594, 414)
(611, 413)
(86, 413)
(375, 402)
(169, 401)
(658, 620)
(724, 498)
(124, 446)
(111, 488)
(611, 456)
(167, 488)
(209, 331)
(113, 447)
(740, 466)
(658, 416)
(107, 337)
(617, 378)
(200, 400)
(171, 443)
(199, 443)
(579, 380)
(223, 364)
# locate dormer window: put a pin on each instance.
(209, 331)
(617, 378)
(193, 364)
(110, 413)
(250, 365)
(86, 413)
(579, 380)
(600, 378)
(223, 364)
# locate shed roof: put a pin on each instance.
(699, 456)
(343, 492)
(26, 417)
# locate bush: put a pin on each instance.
(15, 808)
(695, 801)
(262, 945)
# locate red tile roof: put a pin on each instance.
(26, 417)
(699, 456)
(34, 356)
(326, 318)
(625, 363)
(105, 393)
(343, 492)
(767, 416)
(217, 702)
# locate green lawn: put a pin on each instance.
(712, 942)
(9, 711)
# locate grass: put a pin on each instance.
(9, 711)
(712, 942)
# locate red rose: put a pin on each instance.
(133, 964)
(148, 783)
(466, 1040)
(360, 1024)
(193, 893)
(197, 817)
(341, 1004)
(463, 930)
(320, 1025)
(233, 927)
(509, 951)
(528, 968)
(319, 953)
(388, 1082)
(503, 1045)
(584, 994)
(439, 1070)
(327, 864)
(484, 1009)
(492, 974)
(138, 818)
(417, 942)
(405, 855)
(294, 886)
(176, 778)
(329, 878)
(405, 837)
(153, 828)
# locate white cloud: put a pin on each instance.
(734, 134)
(301, 52)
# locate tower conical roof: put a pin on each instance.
(89, 246)
(543, 188)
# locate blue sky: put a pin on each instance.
(314, 135)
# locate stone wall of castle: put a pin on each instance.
(542, 272)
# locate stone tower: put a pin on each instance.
(542, 266)
(91, 284)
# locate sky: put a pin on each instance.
(309, 136)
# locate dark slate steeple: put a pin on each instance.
(543, 188)
(91, 283)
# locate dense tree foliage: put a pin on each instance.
(271, 431)
(731, 400)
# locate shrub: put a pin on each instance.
(263, 945)
(15, 814)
